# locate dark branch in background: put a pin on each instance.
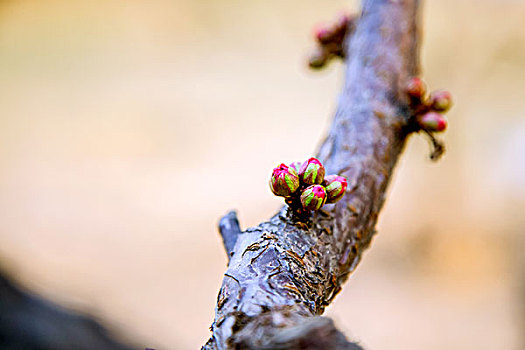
(284, 272)
(30, 323)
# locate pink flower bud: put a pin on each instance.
(343, 21)
(312, 172)
(335, 187)
(432, 121)
(324, 34)
(441, 100)
(296, 166)
(416, 88)
(313, 197)
(284, 181)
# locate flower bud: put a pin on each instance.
(432, 121)
(416, 88)
(441, 100)
(324, 34)
(312, 172)
(343, 22)
(284, 181)
(313, 197)
(318, 59)
(296, 166)
(335, 187)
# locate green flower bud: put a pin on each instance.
(441, 101)
(335, 187)
(432, 121)
(296, 166)
(318, 59)
(284, 181)
(312, 172)
(313, 197)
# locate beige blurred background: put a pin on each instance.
(129, 127)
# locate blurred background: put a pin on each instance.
(129, 127)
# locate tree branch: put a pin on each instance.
(229, 229)
(285, 271)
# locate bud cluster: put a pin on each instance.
(428, 109)
(305, 186)
(330, 40)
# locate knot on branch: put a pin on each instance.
(427, 112)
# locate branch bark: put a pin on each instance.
(284, 272)
(229, 229)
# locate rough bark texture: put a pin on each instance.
(284, 272)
